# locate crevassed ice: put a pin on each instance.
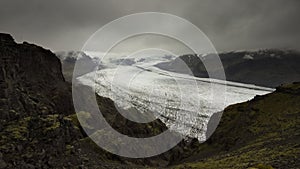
(183, 102)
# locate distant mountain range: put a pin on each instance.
(264, 67)
(68, 60)
(268, 67)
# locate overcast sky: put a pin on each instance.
(230, 24)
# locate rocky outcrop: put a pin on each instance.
(34, 101)
(31, 81)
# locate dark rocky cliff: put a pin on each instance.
(31, 81)
(34, 100)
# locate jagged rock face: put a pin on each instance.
(34, 102)
(31, 81)
(28, 62)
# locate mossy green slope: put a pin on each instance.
(261, 133)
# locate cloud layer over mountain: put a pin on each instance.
(231, 24)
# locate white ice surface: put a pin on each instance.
(183, 102)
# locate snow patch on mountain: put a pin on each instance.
(248, 57)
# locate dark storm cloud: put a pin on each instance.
(230, 24)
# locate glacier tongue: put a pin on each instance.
(183, 102)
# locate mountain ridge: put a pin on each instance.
(267, 67)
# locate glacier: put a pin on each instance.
(183, 102)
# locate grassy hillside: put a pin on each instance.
(261, 133)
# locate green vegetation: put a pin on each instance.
(259, 134)
(262, 133)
